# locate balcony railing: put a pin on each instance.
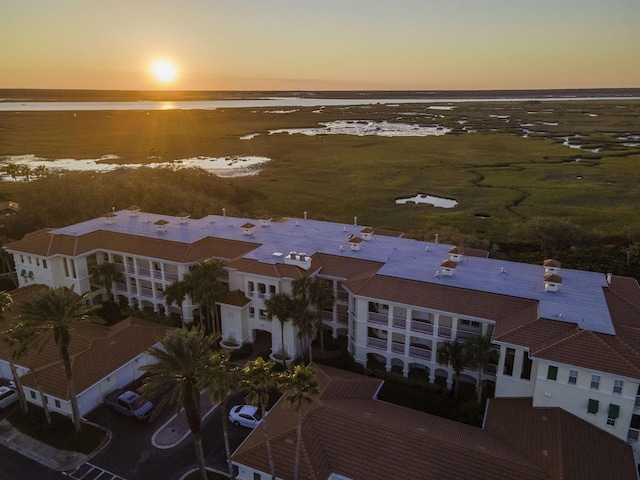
(491, 369)
(159, 295)
(131, 269)
(422, 327)
(171, 277)
(444, 332)
(249, 293)
(343, 318)
(465, 334)
(633, 435)
(119, 267)
(420, 352)
(121, 287)
(343, 296)
(144, 272)
(326, 316)
(637, 404)
(397, 347)
(379, 318)
(157, 274)
(146, 292)
(134, 289)
(399, 322)
(377, 343)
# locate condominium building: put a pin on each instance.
(563, 338)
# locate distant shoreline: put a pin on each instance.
(54, 95)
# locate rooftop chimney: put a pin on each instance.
(437, 236)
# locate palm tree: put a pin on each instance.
(280, 306)
(221, 381)
(321, 294)
(176, 293)
(304, 319)
(479, 352)
(6, 302)
(104, 275)
(205, 289)
(57, 311)
(22, 339)
(178, 374)
(300, 387)
(258, 378)
(454, 354)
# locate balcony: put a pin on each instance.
(637, 404)
(397, 347)
(376, 343)
(444, 332)
(144, 272)
(491, 369)
(131, 269)
(379, 318)
(633, 435)
(326, 316)
(342, 296)
(146, 292)
(399, 322)
(171, 277)
(160, 295)
(157, 274)
(422, 327)
(121, 287)
(419, 352)
(343, 318)
(465, 334)
(119, 267)
(249, 293)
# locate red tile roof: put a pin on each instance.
(559, 442)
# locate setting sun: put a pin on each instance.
(164, 71)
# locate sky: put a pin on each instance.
(321, 44)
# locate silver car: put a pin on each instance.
(245, 415)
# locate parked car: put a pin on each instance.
(128, 403)
(245, 415)
(8, 396)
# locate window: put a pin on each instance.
(251, 286)
(33, 394)
(552, 373)
(57, 404)
(272, 290)
(509, 358)
(256, 476)
(37, 261)
(525, 374)
(614, 413)
(595, 382)
(44, 263)
(252, 312)
(617, 386)
(593, 406)
(573, 377)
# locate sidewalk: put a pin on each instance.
(60, 460)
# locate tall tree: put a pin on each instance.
(479, 353)
(280, 306)
(454, 354)
(321, 295)
(54, 313)
(22, 340)
(300, 388)
(304, 319)
(205, 289)
(104, 275)
(221, 381)
(176, 293)
(258, 379)
(178, 374)
(6, 303)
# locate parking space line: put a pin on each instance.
(89, 471)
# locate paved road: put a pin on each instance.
(130, 454)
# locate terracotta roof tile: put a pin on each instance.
(568, 447)
(550, 262)
(235, 298)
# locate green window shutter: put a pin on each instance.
(552, 373)
(593, 406)
(614, 410)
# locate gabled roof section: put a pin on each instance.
(344, 268)
(473, 303)
(559, 442)
(235, 299)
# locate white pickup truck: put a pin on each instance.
(128, 403)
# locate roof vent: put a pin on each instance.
(552, 282)
(455, 254)
(298, 259)
(355, 242)
(109, 218)
(133, 210)
(265, 220)
(551, 266)
(161, 225)
(184, 217)
(609, 276)
(448, 267)
(437, 237)
(247, 228)
(367, 233)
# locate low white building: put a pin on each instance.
(564, 338)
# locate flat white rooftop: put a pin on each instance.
(580, 299)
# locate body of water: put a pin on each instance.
(266, 102)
